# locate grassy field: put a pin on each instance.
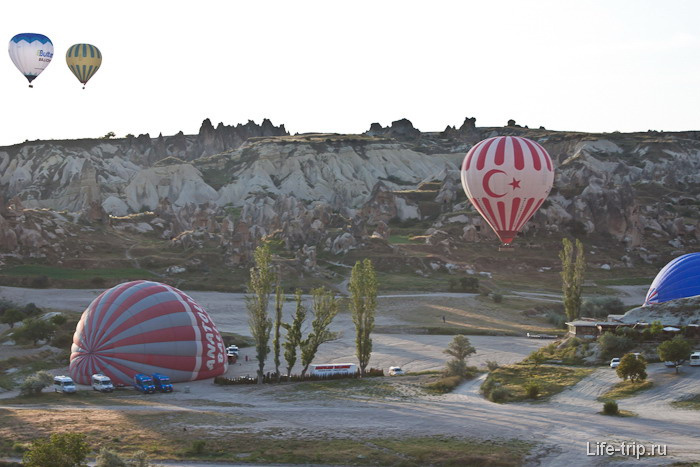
(161, 436)
(550, 380)
(53, 272)
(624, 389)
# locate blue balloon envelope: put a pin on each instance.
(678, 279)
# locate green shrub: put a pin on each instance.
(601, 307)
(497, 298)
(19, 447)
(198, 447)
(532, 389)
(60, 450)
(35, 383)
(499, 394)
(492, 365)
(107, 458)
(612, 345)
(611, 408)
(59, 319)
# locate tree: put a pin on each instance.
(363, 304)
(632, 367)
(293, 339)
(676, 350)
(573, 265)
(324, 308)
(279, 303)
(109, 135)
(460, 348)
(34, 330)
(60, 450)
(259, 288)
(11, 316)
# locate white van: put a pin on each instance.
(102, 383)
(695, 359)
(63, 384)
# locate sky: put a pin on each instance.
(338, 66)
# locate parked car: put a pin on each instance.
(63, 384)
(615, 362)
(102, 383)
(232, 353)
(395, 371)
(670, 364)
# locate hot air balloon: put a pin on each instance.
(146, 327)
(31, 53)
(507, 178)
(83, 60)
(678, 279)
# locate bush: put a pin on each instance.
(36, 383)
(601, 307)
(497, 298)
(63, 339)
(492, 365)
(98, 282)
(455, 367)
(61, 450)
(610, 408)
(59, 319)
(612, 345)
(532, 389)
(40, 282)
(107, 458)
(198, 447)
(499, 394)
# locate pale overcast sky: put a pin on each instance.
(334, 66)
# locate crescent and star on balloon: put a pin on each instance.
(487, 181)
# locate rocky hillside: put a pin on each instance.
(394, 191)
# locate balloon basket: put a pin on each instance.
(506, 247)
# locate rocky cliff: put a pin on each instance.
(233, 185)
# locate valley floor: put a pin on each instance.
(372, 409)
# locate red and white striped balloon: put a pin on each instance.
(146, 327)
(507, 178)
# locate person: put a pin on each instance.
(246, 358)
(443, 318)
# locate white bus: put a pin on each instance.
(328, 369)
(695, 359)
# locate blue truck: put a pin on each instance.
(144, 383)
(162, 382)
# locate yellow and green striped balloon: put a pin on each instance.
(83, 60)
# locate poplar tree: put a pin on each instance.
(293, 339)
(259, 290)
(573, 265)
(279, 303)
(324, 308)
(363, 304)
